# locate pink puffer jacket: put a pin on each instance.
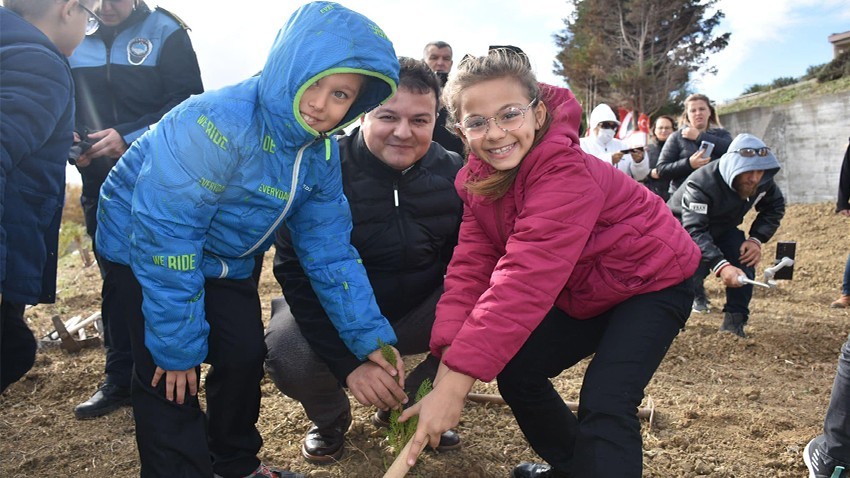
(572, 232)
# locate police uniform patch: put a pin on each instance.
(699, 208)
(138, 50)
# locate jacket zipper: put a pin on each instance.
(292, 189)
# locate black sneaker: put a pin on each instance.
(449, 440)
(734, 322)
(105, 400)
(819, 464)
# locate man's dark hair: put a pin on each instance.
(417, 77)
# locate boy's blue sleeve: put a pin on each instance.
(321, 229)
(173, 206)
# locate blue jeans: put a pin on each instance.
(629, 341)
(845, 286)
(836, 425)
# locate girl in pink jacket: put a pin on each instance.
(560, 256)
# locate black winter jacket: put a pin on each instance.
(674, 162)
(659, 186)
(405, 229)
(708, 207)
(128, 76)
(36, 131)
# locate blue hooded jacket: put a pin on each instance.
(36, 132)
(201, 193)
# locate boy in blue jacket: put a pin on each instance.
(189, 205)
(36, 132)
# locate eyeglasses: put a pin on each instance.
(608, 125)
(510, 119)
(93, 22)
(750, 152)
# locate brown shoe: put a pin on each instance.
(842, 303)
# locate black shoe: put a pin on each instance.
(106, 399)
(734, 322)
(536, 470)
(449, 440)
(325, 445)
(820, 465)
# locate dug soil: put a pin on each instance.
(724, 407)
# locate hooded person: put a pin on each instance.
(186, 209)
(712, 205)
(600, 142)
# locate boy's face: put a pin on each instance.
(325, 103)
(70, 27)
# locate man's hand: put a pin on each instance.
(697, 160)
(438, 412)
(373, 385)
(107, 142)
(729, 275)
(177, 381)
(750, 253)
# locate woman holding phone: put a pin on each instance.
(685, 150)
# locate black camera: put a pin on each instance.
(78, 148)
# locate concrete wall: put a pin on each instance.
(809, 138)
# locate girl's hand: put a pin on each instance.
(177, 381)
(438, 412)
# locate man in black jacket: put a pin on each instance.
(135, 68)
(406, 214)
(712, 205)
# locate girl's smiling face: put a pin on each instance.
(501, 149)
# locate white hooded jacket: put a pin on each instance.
(591, 145)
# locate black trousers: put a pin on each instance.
(17, 344)
(181, 440)
(737, 298)
(629, 341)
(116, 328)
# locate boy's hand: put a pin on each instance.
(177, 381)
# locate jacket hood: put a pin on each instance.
(16, 30)
(318, 40)
(732, 163)
(564, 109)
(601, 113)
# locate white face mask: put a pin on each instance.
(605, 136)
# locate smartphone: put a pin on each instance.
(785, 249)
(707, 147)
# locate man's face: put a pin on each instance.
(113, 12)
(399, 132)
(746, 184)
(439, 59)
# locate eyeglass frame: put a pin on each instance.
(756, 152)
(92, 17)
(522, 112)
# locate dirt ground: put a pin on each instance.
(724, 407)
